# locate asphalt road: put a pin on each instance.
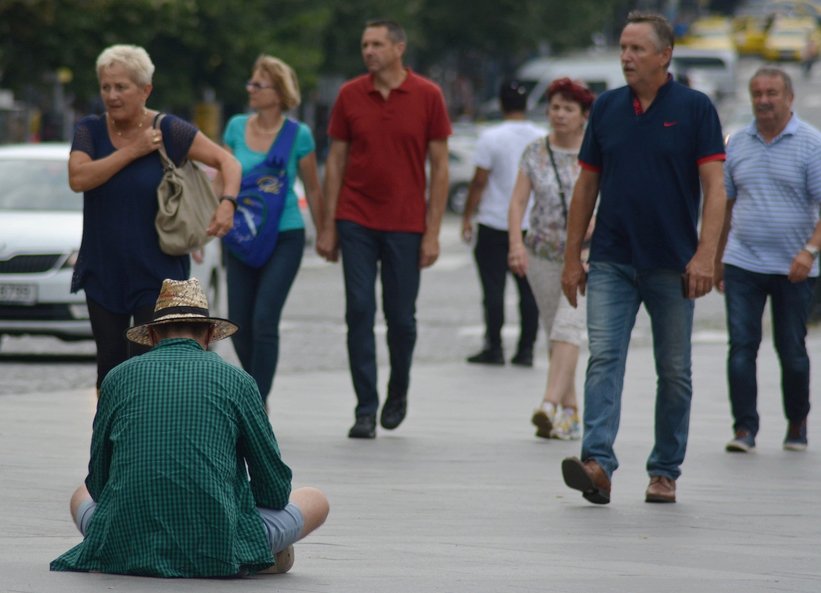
(462, 498)
(312, 332)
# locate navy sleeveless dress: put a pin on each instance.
(120, 265)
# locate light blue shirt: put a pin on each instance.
(234, 138)
(777, 193)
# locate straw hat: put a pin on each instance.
(181, 300)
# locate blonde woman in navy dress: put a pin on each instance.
(115, 163)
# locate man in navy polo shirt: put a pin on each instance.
(650, 148)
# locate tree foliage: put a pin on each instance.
(208, 46)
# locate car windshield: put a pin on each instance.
(27, 184)
(699, 62)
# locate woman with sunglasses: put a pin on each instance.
(256, 296)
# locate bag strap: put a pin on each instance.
(558, 178)
(280, 150)
(166, 161)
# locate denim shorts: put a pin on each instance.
(282, 528)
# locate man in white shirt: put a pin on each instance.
(498, 151)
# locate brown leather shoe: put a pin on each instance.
(661, 489)
(588, 477)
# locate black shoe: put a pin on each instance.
(394, 410)
(523, 358)
(363, 428)
(487, 356)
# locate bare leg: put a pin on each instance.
(313, 505)
(557, 416)
(79, 497)
(561, 375)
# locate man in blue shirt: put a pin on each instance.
(650, 148)
(772, 234)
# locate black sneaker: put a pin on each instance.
(363, 428)
(523, 358)
(394, 410)
(488, 356)
(796, 439)
(743, 442)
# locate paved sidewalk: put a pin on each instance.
(463, 497)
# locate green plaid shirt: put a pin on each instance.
(174, 431)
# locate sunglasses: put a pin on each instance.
(256, 86)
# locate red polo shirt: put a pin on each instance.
(384, 182)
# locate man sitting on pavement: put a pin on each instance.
(178, 432)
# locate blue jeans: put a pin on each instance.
(746, 295)
(397, 257)
(256, 297)
(614, 294)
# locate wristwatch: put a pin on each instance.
(812, 250)
(231, 199)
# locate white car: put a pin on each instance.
(461, 169)
(41, 223)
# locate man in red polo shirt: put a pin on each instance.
(383, 126)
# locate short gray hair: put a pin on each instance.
(395, 31)
(775, 71)
(660, 25)
(132, 57)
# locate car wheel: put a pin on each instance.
(458, 197)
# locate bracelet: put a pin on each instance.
(231, 199)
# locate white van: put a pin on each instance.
(599, 70)
(712, 71)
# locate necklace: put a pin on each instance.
(120, 132)
(273, 130)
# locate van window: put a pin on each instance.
(699, 62)
(597, 86)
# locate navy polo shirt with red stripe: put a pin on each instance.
(649, 180)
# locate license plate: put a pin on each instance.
(18, 294)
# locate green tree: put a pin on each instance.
(195, 45)
(204, 47)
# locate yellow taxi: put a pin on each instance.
(713, 32)
(792, 39)
(750, 33)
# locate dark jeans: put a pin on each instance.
(109, 336)
(256, 297)
(396, 256)
(746, 295)
(491, 261)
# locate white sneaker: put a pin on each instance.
(544, 418)
(566, 426)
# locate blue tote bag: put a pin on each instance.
(261, 201)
